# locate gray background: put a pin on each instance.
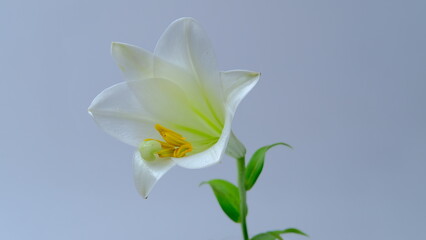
(342, 81)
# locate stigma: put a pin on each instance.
(174, 145)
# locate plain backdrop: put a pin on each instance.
(342, 81)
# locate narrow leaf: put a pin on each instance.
(228, 196)
(293, 230)
(265, 236)
(255, 165)
(275, 235)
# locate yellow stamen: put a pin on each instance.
(182, 150)
(170, 137)
(175, 144)
(168, 152)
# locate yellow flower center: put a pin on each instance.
(174, 145)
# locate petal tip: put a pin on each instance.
(255, 74)
(144, 195)
(91, 108)
(115, 46)
(93, 105)
(185, 19)
(185, 22)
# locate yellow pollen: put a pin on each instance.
(174, 144)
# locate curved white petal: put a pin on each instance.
(137, 63)
(119, 113)
(213, 154)
(134, 62)
(237, 83)
(169, 105)
(147, 173)
(185, 44)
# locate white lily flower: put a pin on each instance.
(175, 107)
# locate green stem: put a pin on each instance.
(243, 201)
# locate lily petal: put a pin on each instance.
(133, 61)
(237, 84)
(169, 105)
(137, 63)
(147, 173)
(185, 44)
(213, 154)
(119, 113)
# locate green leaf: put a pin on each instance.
(293, 230)
(265, 236)
(255, 165)
(275, 235)
(228, 196)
